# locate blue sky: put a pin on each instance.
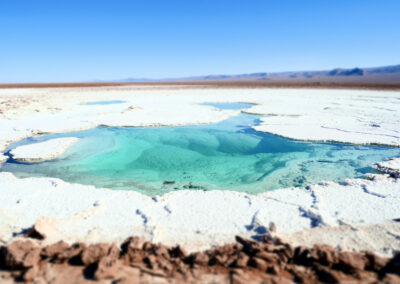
(63, 41)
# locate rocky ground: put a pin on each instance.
(139, 261)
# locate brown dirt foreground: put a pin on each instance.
(138, 261)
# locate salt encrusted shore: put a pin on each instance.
(199, 219)
(391, 167)
(43, 151)
(348, 116)
(3, 158)
(196, 219)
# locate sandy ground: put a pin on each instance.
(198, 219)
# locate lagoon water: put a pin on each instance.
(111, 102)
(228, 155)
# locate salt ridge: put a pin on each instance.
(43, 151)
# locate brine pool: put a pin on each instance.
(229, 155)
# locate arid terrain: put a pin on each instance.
(318, 233)
(138, 261)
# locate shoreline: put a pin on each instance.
(255, 215)
(228, 113)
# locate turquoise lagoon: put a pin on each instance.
(228, 155)
(112, 102)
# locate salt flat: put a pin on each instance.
(199, 219)
(42, 151)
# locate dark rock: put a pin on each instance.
(244, 242)
(34, 234)
(302, 256)
(391, 279)
(221, 259)
(31, 273)
(201, 258)
(375, 263)
(143, 262)
(94, 253)
(258, 263)
(114, 252)
(365, 276)
(349, 262)
(241, 260)
(324, 254)
(164, 264)
(269, 247)
(151, 261)
(54, 249)
(218, 260)
(161, 251)
(20, 254)
(393, 266)
(326, 275)
(268, 256)
(227, 249)
(131, 244)
(107, 268)
(249, 247)
(177, 252)
(299, 272)
(72, 254)
(147, 246)
(273, 269)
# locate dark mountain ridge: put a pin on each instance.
(389, 74)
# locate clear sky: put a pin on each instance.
(80, 40)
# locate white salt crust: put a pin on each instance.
(198, 219)
(43, 151)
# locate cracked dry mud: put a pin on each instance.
(140, 261)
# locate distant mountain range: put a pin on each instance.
(385, 74)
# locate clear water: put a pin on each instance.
(227, 155)
(104, 103)
(230, 105)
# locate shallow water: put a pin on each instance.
(230, 105)
(226, 155)
(104, 103)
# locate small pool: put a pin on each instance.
(228, 155)
(103, 103)
(230, 105)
